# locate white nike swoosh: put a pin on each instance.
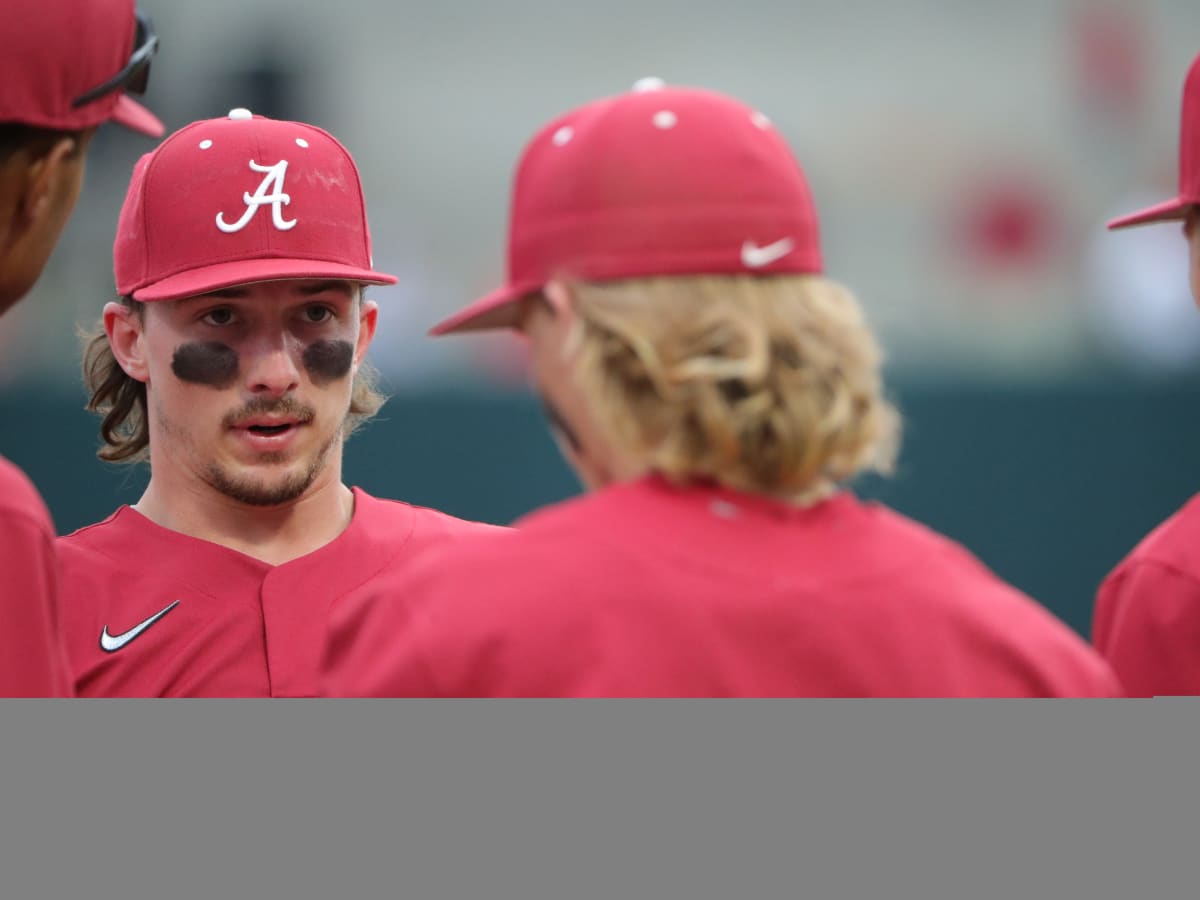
(755, 257)
(110, 643)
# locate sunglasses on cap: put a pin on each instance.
(136, 73)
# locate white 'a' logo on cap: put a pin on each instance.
(269, 191)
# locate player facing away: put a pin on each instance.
(233, 362)
(66, 67)
(1146, 621)
(714, 391)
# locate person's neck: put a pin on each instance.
(273, 534)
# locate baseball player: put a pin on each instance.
(66, 66)
(714, 391)
(1146, 621)
(233, 362)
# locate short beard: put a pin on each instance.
(257, 492)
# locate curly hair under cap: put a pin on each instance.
(764, 384)
(121, 399)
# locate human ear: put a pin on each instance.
(125, 330)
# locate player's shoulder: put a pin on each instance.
(631, 505)
(905, 529)
(97, 531)
(19, 497)
(506, 565)
(434, 521)
(942, 577)
(923, 548)
(597, 530)
(13, 480)
(108, 538)
(584, 547)
(652, 518)
(947, 582)
(420, 521)
(1170, 546)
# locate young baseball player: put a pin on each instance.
(714, 391)
(1147, 616)
(65, 68)
(233, 361)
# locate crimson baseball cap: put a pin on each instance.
(658, 181)
(1189, 162)
(68, 64)
(239, 200)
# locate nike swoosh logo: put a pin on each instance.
(111, 643)
(755, 257)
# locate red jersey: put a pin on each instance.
(32, 660)
(1147, 616)
(152, 612)
(645, 589)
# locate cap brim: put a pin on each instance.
(495, 310)
(1169, 211)
(251, 271)
(133, 115)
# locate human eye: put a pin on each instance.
(221, 315)
(317, 313)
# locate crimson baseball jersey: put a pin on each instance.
(152, 612)
(1146, 621)
(32, 659)
(645, 589)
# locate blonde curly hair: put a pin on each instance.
(764, 384)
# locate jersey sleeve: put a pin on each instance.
(32, 659)
(1147, 626)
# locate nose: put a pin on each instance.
(272, 368)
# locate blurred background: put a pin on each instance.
(963, 153)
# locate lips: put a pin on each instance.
(268, 429)
(268, 433)
(268, 426)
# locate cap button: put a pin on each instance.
(240, 113)
(648, 84)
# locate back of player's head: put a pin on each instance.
(707, 344)
(770, 385)
(242, 199)
(69, 65)
(66, 66)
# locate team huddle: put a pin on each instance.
(714, 389)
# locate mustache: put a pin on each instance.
(265, 406)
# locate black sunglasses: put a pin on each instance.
(136, 74)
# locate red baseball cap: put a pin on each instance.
(238, 200)
(67, 64)
(657, 181)
(1189, 162)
